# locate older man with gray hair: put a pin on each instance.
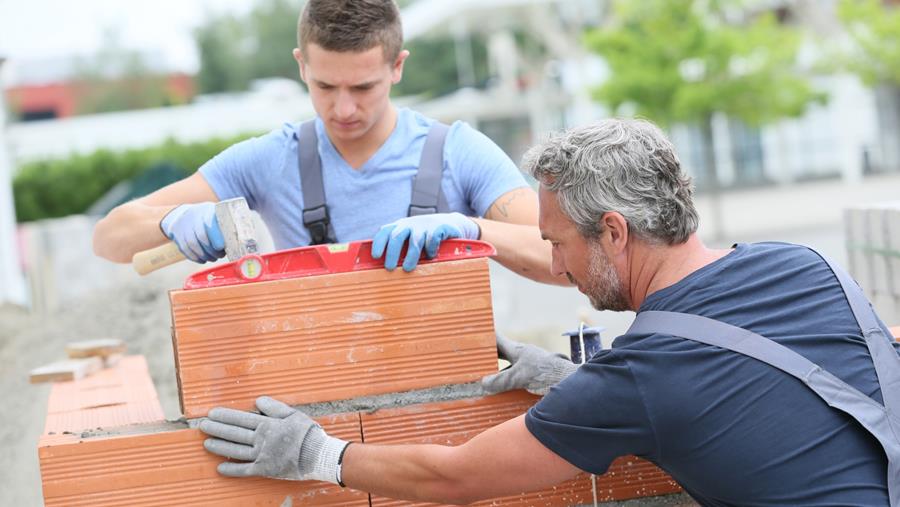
(755, 375)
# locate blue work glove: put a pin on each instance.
(280, 442)
(195, 229)
(426, 231)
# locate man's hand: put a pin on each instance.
(280, 442)
(532, 368)
(195, 229)
(426, 231)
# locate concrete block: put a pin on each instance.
(454, 422)
(858, 256)
(68, 370)
(892, 248)
(335, 336)
(102, 347)
(876, 246)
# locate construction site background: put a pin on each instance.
(789, 181)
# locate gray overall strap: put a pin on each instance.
(427, 197)
(315, 212)
(875, 418)
(878, 339)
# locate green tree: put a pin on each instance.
(234, 50)
(431, 69)
(875, 31)
(682, 61)
(273, 28)
(224, 60)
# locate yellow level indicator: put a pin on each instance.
(251, 268)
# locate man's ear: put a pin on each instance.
(614, 224)
(397, 67)
(298, 56)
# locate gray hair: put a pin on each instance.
(619, 165)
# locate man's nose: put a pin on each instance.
(557, 266)
(345, 105)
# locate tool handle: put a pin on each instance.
(149, 261)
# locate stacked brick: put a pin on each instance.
(872, 234)
(368, 335)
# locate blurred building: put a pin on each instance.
(533, 91)
(53, 88)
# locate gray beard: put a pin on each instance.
(603, 287)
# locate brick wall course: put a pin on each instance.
(455, 422)
(333, 337)
(117, 396)
(166, 464)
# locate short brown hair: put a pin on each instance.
(351, 25)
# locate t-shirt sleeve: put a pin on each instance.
(482, 171)
(246, 168)
(594, 416)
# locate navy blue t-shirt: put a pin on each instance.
(730, 429)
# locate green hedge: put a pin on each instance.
(56, 188)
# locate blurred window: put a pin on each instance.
(746, 153)
(513, 135)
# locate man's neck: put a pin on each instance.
(654, 268)
(357, 151)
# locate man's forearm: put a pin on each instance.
(503, 460)
(521, 249)
(409, 472)
(128, 229)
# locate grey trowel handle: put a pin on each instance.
(149, 261)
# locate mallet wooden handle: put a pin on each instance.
(149, 261)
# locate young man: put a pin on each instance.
(359, 162)
(723, 380)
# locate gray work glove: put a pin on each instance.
(533, 368)
(281, 443)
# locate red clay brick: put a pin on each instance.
(334, 336)
(161, 466)
(116, 396)
(452, 423)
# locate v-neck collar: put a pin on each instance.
(377, 158)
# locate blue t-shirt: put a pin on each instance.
(265, 171)
(730, 429)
